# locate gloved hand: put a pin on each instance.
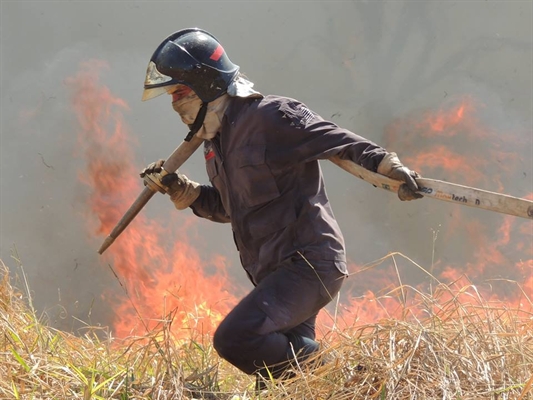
(182, 191)
(152, 168)
(392, 167)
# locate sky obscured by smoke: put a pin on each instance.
(374, 67)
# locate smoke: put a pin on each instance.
(373, 67)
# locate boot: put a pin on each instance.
(300, 347)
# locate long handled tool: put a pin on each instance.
(432, 188)
(465, 195)
(172, 163)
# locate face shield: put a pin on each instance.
(155, 83)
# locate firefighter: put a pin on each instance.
(262, 157)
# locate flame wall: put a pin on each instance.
(448, 85)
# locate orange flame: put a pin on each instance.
(166, 278)
(455, 145)
(160, 277)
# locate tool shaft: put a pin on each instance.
(172, 163)
(446, 191)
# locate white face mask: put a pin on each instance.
(189, 106)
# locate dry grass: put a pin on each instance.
(460, 350)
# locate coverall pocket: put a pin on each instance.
(256, 183)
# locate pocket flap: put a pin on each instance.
(250, 155)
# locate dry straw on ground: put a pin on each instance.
(459, 350)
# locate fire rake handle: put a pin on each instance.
(128, 216)
(446, 191)
(173, 162)
(431, 188)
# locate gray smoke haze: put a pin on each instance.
(366, 65)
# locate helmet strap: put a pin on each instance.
(198, 122)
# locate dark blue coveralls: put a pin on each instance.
(266, 181)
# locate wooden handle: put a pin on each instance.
(173, 162)
(182, 154)
(446, 191)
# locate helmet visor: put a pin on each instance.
(155, 83)
(177, 91)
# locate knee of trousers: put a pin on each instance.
(224, 342)
(237, 349)
(230, 340)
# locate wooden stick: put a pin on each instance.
(446, 191)
(172, 163)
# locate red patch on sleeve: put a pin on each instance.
(209, 155)
(217, 53)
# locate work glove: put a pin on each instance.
(182, 191)
(152, 168)
(392, 167)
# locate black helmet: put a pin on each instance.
(191, 57)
